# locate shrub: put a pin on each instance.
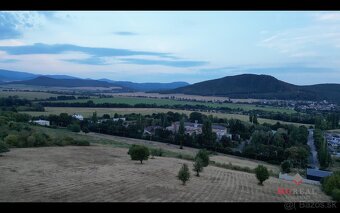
(12, 140)
(198, 166)
(157, 152)
(3, 147)
(285, 166)
(184, 174)
(81, 143)
(74, 127)
(204, 156)
(336, 194)
(331, 182)
(262, 174)
(139, 152)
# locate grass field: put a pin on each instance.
(27, 95)
(101, 173)
(161, 102)
(87, 112)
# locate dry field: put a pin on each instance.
(87, 112)
(103, 173)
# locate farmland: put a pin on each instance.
(27, 95)
(104, 173)
(87, 112)
(170, 102)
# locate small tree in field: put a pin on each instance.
(184, 174)
(262, 174)
(3, 147)
(198, 166)
(204, 156)
(139, 152)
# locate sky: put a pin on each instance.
(165, 46)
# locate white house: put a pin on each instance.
(42, 122)
(78, 117)
(117, 119)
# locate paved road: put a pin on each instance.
(314, 162)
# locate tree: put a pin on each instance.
(198, 166)
(184, 174)
(285, 166)
(262, 174)
(3, 147)
(203, 155)
(181, 133)
(94, 117)
(331, 185)
(74, 127)
(86, 130)
(139, 152)
(207, 133)
(106, 116)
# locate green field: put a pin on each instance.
(87, 112)
(169, 102)
(27, 95)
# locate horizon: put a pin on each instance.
(300, 48)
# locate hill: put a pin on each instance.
(51, 82)
(145, 87)
(260, 86)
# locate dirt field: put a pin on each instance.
(104, 173)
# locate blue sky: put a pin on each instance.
(297, 47)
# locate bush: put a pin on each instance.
(336, 194)
(12, 140)
(285, 166)
(74, 127)
(81, 143)
(204, 156)
(3, 147)
(198, 166)
(184, 174)
(157, 152)
(262, 174)
(331, 182)
(139, 152)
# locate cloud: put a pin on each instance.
(9, 26)
(328, 17)
(177, 63)
(90, 61)
(125, 33)
(8, 60)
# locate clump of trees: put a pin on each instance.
(3, 147)
(286, 166)
(331, 185)
(139, 152)
(184, 174)
(262, 174)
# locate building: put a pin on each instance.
(42, 122)
(117, 119)
(220, 131)
(150, 130)
(78, 117)
(316, 174)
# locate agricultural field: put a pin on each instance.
(101, 173)
(87, 112)
(27, 95)
(169, 102)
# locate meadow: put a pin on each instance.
(87, 112)
(27, 95)
(170, 102)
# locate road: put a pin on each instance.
(314, 162)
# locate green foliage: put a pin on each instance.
(157, 152)
(298, 156)
(322, 148)
(203, 155)
(286, 166)
(262, 174)
(74, 127)
(12, 140)
(3, 147)
(336, 194)
(139, 152)
(181, 133)
(331, 182)
(184, 174)
(198, 166)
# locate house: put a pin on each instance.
(42, 122)
(316, 174)
(150, 130)
(78, 117)
(117, 119)
(220, 131)
(190, 128)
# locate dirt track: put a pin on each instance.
(103, 173)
